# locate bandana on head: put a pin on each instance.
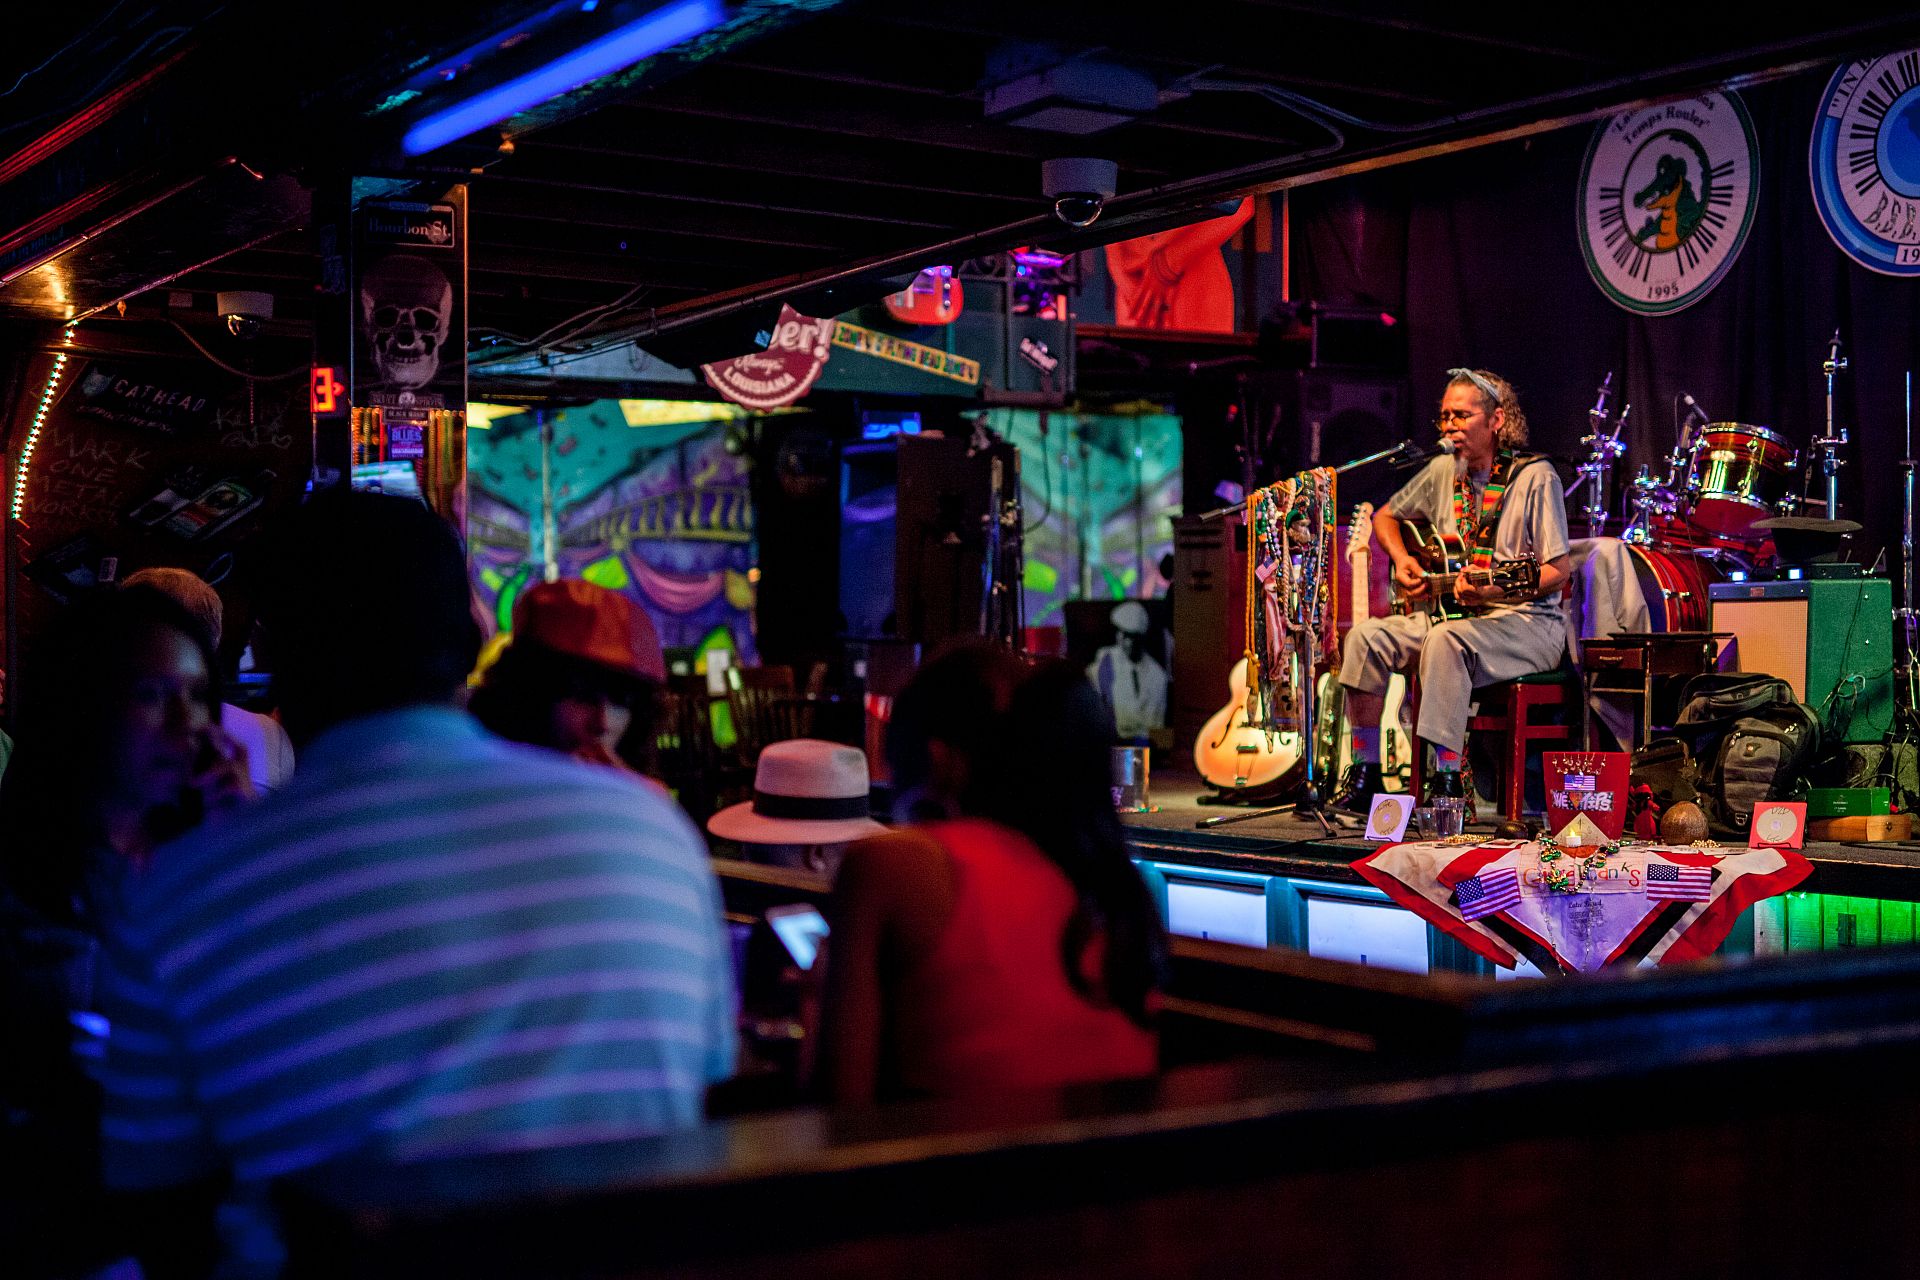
(1486, 388)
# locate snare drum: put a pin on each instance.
(1675, 584)
(1740, 475)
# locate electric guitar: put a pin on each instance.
(1396, 735)
(1442, 557)
(932, 298)
(1231, 753)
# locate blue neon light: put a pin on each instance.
(618, 49)
(875, 426)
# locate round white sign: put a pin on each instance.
(1865, 162)
(1667, 196)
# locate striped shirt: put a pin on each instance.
(430, 942)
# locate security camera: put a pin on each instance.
(1079, 187)
(244, 310)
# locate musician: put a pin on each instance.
(1483, 482)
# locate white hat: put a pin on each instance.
(805, 791)
(1130, 616)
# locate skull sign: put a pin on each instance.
(406, 308)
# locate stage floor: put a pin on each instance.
(1284, 844)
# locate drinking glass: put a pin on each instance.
(1423, 823)
(1130, 780)
(1449, 816)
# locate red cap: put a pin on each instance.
(584, 621)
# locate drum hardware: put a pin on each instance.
(1829, 444)
(1599, 464)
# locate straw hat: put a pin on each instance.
(584, 621)
(805, 791)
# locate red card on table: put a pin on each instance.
(1589, 782)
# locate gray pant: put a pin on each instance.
(1455, 658)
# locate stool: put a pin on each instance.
(1508, 708)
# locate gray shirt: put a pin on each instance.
(1533, 518)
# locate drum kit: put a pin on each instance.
(1699, 523)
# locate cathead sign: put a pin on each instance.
(145, 399)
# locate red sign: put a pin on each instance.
(323, 391)
(1593, 783)
(781, 374)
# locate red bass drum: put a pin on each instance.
(1675, 582)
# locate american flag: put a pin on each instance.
(1488, 892)
(1581, 781)
(1665, 881)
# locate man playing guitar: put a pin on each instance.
(1505, 506)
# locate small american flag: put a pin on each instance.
(1488, 892)
(1580, 781)
(1668, 882)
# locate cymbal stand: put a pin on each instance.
(1599, 464)
(1905, 731)
(1829, 444)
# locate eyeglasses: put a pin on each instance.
(1448, 416)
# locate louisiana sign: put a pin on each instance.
(1865, 162)
(1667, 196)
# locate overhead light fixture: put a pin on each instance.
(620, 48)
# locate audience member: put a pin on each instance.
(430, 941)
(1014, 949)
(119, 750)
(810, 798)
(947, 718)
(582, 675)
(269, 752)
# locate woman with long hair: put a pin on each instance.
(1015, 947)
(119, 749)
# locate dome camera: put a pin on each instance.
(1079, 188)
(244, 310)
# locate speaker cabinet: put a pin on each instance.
(1209, 619)
(1830, 639)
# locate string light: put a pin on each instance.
(40, 412)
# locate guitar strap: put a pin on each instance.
(1478, 528)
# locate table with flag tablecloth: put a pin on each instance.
(1648, 904)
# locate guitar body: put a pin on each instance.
(1442, 556)
(1232, 754)
(934, 297)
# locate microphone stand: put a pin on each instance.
(1829, 444)
(1239, 508)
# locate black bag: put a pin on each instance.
(1750, 739)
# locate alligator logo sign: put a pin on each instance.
(1667, 195)
(1865, 162)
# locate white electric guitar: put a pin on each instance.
(1396, 735)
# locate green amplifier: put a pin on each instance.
(1848, 802)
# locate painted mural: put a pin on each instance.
(1099, 492)
(646, 497)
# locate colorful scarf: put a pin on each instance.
(1478, 526)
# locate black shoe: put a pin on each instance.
(1358, 786)
(1445, 782)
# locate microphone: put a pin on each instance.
(1694, 412)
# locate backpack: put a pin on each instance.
(1750, 740)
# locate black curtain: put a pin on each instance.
(1479, 251)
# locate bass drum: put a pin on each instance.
(1675, 580)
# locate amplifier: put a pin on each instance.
(1831, 640)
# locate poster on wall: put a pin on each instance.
(1667, 196)
(410, 335)
(1865, 162)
